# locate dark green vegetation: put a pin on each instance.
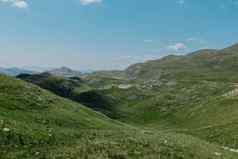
(178, 107)
(75, 89)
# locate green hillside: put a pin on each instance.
(178, 107)
(31, 115)
(76, 89)
(201, 65)
(186, 107)
(194, 94)
(37, 124)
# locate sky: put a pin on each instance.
(110, 34)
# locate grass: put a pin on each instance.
(96, 144)
(191, 105)
(30, 111)
(37, 124)
(198, 108)
(179, 107)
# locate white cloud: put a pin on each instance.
(89, 2)
(177, 47)
(22, 4)
(181, 2)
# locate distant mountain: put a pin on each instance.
(38, 69)
(203, 64)
(15, 71)
(65, 72)
(178, 107)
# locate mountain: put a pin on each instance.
(198, 105)
(38, 69)
(65, 72)
(200, 65)
(194, 94)
(15, 71)
(178, 107)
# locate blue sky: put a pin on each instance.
(110, 34)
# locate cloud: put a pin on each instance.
(22, 4)
(177, 47)
(181, 2)
(89, 2)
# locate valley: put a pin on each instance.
(177, 107)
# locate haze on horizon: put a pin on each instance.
(107, 34)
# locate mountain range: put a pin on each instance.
(176, 107)
(65, 72)
(15, 71)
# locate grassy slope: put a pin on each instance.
(194, 105)
(189, 104)
(75, 89)
(32, 112)
(214, 120)
(37, 124)
(215, 65)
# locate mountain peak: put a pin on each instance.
(65, 68)
(65, 72)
